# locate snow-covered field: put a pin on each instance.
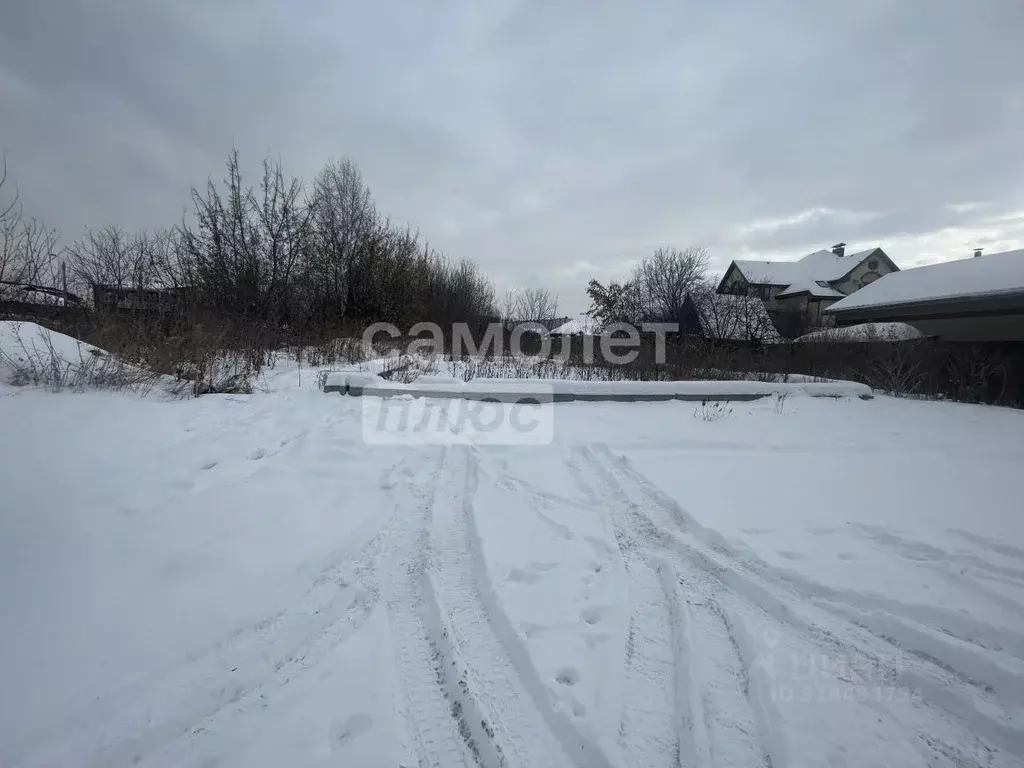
(243, 581)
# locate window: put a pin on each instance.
(873, 264)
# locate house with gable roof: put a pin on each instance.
(807, 286)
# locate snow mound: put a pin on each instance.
(33, 355)
(865, 332)
(25, 344)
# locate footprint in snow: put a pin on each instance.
(521, 576)
(342, 733)
(256, 455)
(209, 465)
(591, 616)
(568, 676)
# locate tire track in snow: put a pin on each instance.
(697, 699)
(429, 705)
(494, 670)
(952, 704)
(650, 730)
(212, 691)
(213, 688)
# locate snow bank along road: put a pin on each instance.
(242, 581)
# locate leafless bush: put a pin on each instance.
(898, 370)
(712, 411)
(779, 402)
(976, 374)
(337, 350)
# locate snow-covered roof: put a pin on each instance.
(820, 265)
(581, 326)
(736, 318)
(992, 275)
(818, 289)
(865, 332)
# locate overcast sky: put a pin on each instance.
(550, 141)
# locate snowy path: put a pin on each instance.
(242, 581)
(733, 612)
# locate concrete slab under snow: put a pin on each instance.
(561, 391)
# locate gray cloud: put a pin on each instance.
(549, 141)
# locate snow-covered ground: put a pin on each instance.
(244, 581)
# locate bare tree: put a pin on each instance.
(508, 305)
(535, 305)
(731, 317)
(661, 282)
(109, 256)
(344, 217)
(27, 247)
(246, 246)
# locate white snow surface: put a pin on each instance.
(583, 325)
(23, 341)
(443, 386)
(243, 581)
(990, 275)
(865, 332)
(820, 265)
(813, 288)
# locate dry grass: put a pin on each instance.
(35, 361)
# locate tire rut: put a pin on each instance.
(709, 718)
(650, 730)
(429, 712)
(214, 687)
(703, 557)
(512, 713)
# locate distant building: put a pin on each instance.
(979, 298)
(156, 301)
(809, 285)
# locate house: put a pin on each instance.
(809, 285)
(728, 317)
(979, 298)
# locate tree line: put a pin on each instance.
(314, 257)
(279, 252)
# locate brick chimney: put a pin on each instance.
(839, 249)
(977, 252)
